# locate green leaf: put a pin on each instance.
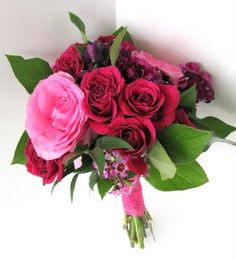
(188, 98)
(111, 142)
(86, 166)
(81, 48)
(29, 72)
(218, 127)
(114, 50)
(183, 143)
(189, 175)
(127, 36)
(81, 148)
(70, 157)
(19, 155)
(93, 179)
(104, 186)
(80, 25)
(98, 156)
(72, 186)
(54, 185)
(161, 161)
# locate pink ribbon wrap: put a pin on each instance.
(132, 198)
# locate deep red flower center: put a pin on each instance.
(144, 99)
(130, 137)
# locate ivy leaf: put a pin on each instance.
(29, 72)
(114, 50)
(19, 155)
(72, 186)
(104, 186)
(188, 98)
(161, 161)
(111, 142)
(98, 156)
(188, 175)
(183, 143)
(127, 36)
(80, 25)
(93, 179)
(217, 126)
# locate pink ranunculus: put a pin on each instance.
(55, 119)
(171, 70)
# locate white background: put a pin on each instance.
(195, 224)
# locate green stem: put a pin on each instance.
(217, 139)
(132, 232)
(136, 228)
(139, 233)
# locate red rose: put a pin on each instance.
(48, 170)
(146, 99)
(138, 132)
(166, 113)
(101, 88)
(141, 98)
(69, 62)
(181, 117)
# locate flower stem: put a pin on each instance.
(136, 228)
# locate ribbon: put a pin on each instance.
(132, 198)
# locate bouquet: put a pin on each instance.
(117, 114)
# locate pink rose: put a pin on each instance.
(172, 71)
(55, 119)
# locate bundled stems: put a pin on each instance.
(136, 228)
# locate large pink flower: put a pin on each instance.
(55, 120)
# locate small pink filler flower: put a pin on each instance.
(55, 119)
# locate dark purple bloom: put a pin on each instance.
(133, 68)
(194, 75)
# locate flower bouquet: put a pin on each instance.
(117, 114)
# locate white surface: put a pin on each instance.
(185, 30)
(196, 224)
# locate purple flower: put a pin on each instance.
(115, 165)
(194, 75)
(134, 65)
